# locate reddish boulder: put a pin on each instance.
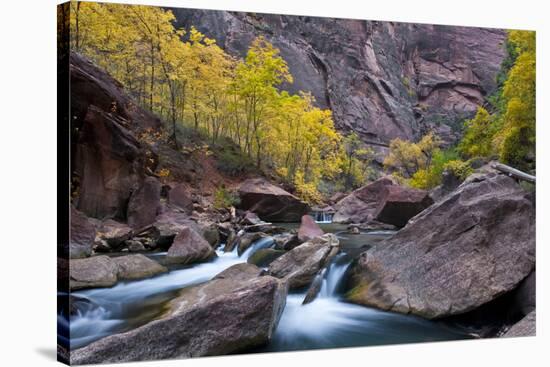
(309, 229)
(399, 204)
(271, 203)
(360, 205)
(189, 247)
(144, 204)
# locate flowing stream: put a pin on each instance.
(326, 322)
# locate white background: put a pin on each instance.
(28, 181)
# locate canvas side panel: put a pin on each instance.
(63, 183)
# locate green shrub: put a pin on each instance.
(225, 199)
(458, 168)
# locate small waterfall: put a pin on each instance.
(265, 242)
(333, 277)
(322, 216)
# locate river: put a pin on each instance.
(327, 322)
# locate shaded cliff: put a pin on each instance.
(381, 79)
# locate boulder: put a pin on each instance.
(136, 267)
(135, 246)
(82, 235)
(398, 204)
(308, 229)
(167, 225)
(299, 266)
(315, 287)
(144, 204)
(114, 233)
(525, 296)
(462, 252)
(360, 205)
(223, 316)
(271, 203)
(264, 256)
(189, 247)
(92, 272)
(180, 197)
(525, 327)
(211, 234)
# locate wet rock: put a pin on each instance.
(251, 218)
(265, 256)
(197, 323)
(82, 235)
(462, 252)
(308, 229)
(299, 266)
(398, 204)
(212, 235)
(189, 247)
(315, 287)
(361, 205)
(137, 267)
(92, 272)
(144, 204)
(270, 202)
(525, 327)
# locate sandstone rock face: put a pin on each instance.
(189, 247)
(144, 203)
(222, 316)
(399, 204)
(361, 205)
(108, 161)
(308, 229)
(381, 79)
(97, 271)
(92, 86)
(270, 202)
(462, 252)
(299, 266)
(525, 327)
(82, 235)
(136, 267)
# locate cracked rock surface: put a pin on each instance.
(460, 253)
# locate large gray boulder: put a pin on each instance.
(524, 327)
(136, 267)
(104, 271)
(361, 205)
(464, 251)
(271, 203)
(114, 233)
(92, 272)
(189, 247)
(222, 316)
(299, 266)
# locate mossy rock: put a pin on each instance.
(264, 257)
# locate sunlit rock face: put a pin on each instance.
(381, 79)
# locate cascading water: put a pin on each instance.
(326, 322)
(131, 304)
(322, 217)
